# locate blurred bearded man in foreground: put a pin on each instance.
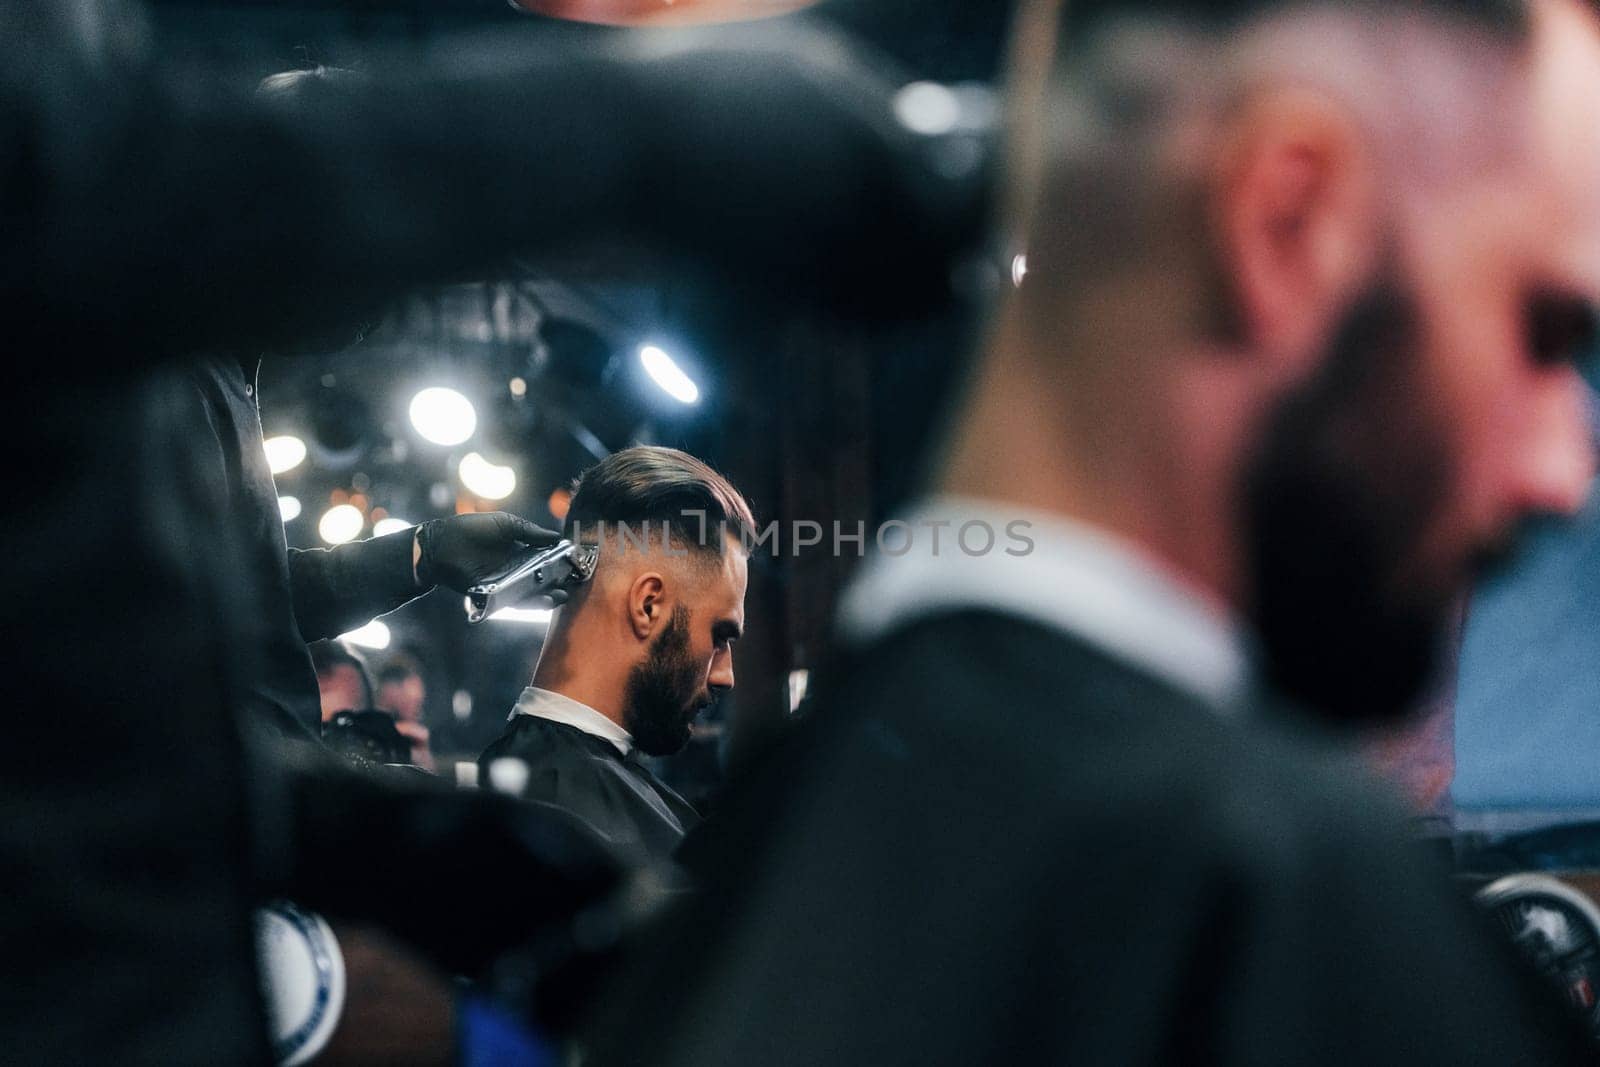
(1290, 362)
(638, 651)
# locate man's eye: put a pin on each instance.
(1561, 328)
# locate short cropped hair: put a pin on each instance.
(652, 488)
(1506, 19)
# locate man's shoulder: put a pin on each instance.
(1092, 742)
(543, 743)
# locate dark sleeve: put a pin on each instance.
(338, 589)
(168, 214)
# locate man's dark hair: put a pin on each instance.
(326, 656)
(644, 487)
(397, 670)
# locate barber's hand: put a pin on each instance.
(462, 550)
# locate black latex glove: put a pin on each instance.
(463, 550)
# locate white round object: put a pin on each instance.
(443, 416)
(341, 523)
(284, 453)
(487, 480)
(302, 978)
(508, 775)
(927, 108)
(390, 525)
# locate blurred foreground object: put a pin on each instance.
(660, 12)
(128, 187)
(1557, 929)
(303, 980)
(1289, 365)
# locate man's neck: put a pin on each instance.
(1160, 477)
(555, 672)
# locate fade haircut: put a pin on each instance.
(1106, 94)
(648, 490)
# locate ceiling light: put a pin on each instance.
(284, 453)
(443, 416)
(373, 635)
(666, 373)
(341, 523)
(485, 479)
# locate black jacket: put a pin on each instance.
(587, 777)
(996, 845)
(300, 595)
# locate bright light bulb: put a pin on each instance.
(284, 453)
(485, 479)
(390, 525)
(289, 508)
(667, 374)
(443, 416)
(373, 635)
(341, 523)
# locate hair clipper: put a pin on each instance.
(561, 566)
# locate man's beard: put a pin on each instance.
(1350, 472)
(664, 693)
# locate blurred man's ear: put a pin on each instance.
(645, 610)
(1295, 222)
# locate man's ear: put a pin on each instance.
(1296, 221)
(645, 604)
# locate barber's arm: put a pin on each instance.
(159, 216)
(338, 589)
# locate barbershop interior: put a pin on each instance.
(773, 533)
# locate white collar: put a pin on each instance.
(544, 704)
(1056, 571)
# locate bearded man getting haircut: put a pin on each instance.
(640, 650)
(1291, 362)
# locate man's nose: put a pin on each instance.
(721, 671)
(1559, 463)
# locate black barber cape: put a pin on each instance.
(588, 777)
(1032, 853)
